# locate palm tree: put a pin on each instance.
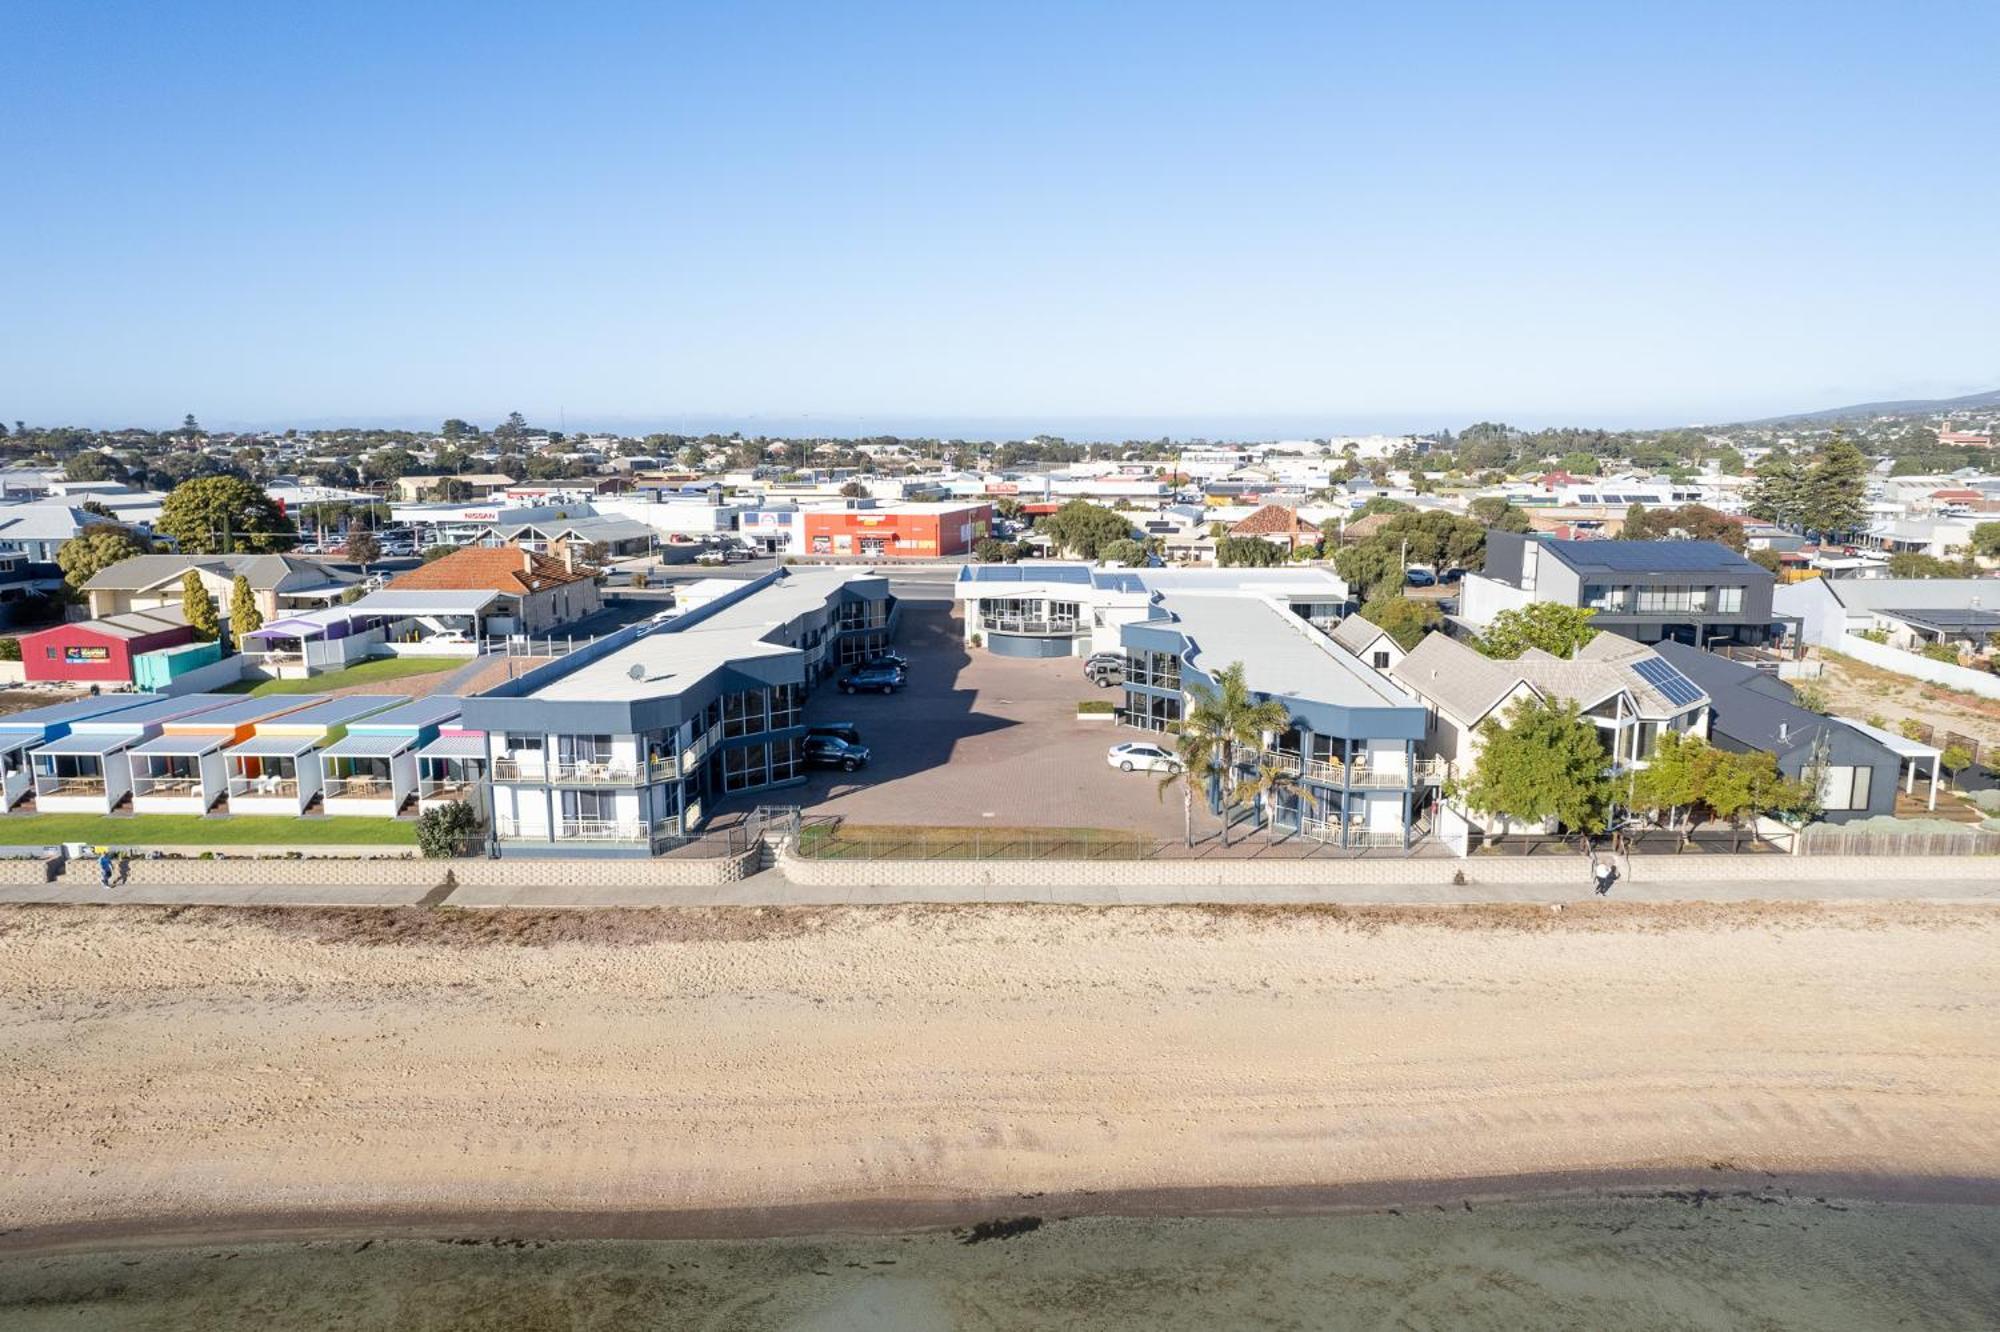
(1194, 765)
(1215, 722)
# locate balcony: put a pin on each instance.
(595, 773)
(263, 788)
(451, 788)
(1394, 775)
(1021, 624)
(166, 786)
(617, 832)
(359, 788)
(46, 785)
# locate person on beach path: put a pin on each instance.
(1603, 873)
(104, 868)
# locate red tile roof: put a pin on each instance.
(489, 569)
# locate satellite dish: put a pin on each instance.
(638, 672)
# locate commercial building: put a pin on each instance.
(621, 747)
(1698, 592)
(1347, 763)
(897, 531)
(106, 651)
(1058, 608)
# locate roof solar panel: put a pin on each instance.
(1650, 556)
(1675, 687)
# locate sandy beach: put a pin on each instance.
(188, 1071)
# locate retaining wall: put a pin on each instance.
(1294, 873)
(667, 872)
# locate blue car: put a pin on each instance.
(877, 679)
(1420, 578)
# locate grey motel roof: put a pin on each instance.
(1282, 654)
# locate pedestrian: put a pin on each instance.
(104, 867)
(1604, 874)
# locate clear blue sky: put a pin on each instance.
(1327, 216)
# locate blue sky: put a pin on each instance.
(1316, 217)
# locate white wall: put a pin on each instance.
(1481, 598)
(1982, 683)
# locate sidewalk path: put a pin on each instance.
(770, 888)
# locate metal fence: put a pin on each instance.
(829, 839)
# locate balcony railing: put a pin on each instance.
(1023, 624)
(1393, 775)
(592, 773)
(166, 786)
(360, 788)
(590, 830)
(445, 789)
(252, 788)
(69, 786)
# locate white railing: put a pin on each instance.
(359, 788)
(590, 830)
(274, 787)
(166, 786)
(452, 788)
(1393, 775)
(591, 773)
(68, 786)
(1021, 624)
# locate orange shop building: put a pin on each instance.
(898, 531)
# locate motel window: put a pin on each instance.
(1380, 661)
(523, 744)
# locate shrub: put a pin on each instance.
(445, 829)
(10, 649)
(1875, 635)
(1944, 652)
(1095, 706)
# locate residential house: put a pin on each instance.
(537, 594)
(1698, 592)
(278, 583)
(1911, 611)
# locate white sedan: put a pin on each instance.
(1142, 756)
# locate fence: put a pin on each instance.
(829, 839)
(1832, 842)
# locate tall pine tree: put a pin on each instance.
(1833, 495)
(199, 607)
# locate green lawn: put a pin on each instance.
(149, 830)
(852, 841)
(379, 671)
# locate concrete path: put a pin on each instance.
(773, 889)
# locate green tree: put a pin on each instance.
(1729, 462)
(1127, 552)
(1083, 529)
(1379, 504)
(1986, 540)
(96, 548)
(1672, 782)
(1248, 553)
(854, 490)
(1493, 512)
(444, 830)
(1580, 464)
(1916, 564)
(1833, 498)
(1691, 522)
(212, 515)
(1404, 619)
(363, 548)
(1556, 629)
(10, 648)
(1222, 720)
(244, 617)
(199, 607)
(1370, 570)
(92, 466)
(1739, 785)
(1955, 759)
(1777, 492)
(1812, 696)
(1544, 763)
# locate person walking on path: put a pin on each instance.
(104, 867)
(1603, 872)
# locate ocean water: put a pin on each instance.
(1688, 1261)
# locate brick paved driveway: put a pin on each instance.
(978, 739)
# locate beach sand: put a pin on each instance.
(202, 1072)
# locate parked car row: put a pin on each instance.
(885, 672)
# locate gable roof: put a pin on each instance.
(1356, 632)
(266, 573)
(1468, 684)
(507, 569)
(1752, 708)
(1465, 683)
(1662, 556)
(1274, 520)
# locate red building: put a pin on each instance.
(101, 651)
(897, 531)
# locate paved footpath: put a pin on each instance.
(1565, 883)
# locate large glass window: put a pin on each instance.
(784, 706)
(1729, 600)
(744, 713)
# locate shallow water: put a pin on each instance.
(1662, 1262)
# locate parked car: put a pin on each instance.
(1104, 659)
(1420, 578)
(891, 658)
(1450, 576)
(1104, 674)
(840, 730)
(1142, 756)
(827, 751)
(883, 679)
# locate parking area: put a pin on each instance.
(976, 739)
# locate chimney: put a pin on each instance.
(569, 556)
(1784, 732)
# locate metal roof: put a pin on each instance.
(161, 709)
(59, 714)
(404, 601)
(1281, 653)
(413, 715)
(369, 746)
(1643, 557)
(183, 744)
(246, 711)
(336, 711)
(455, 747)
(1026, 573)
(274, 746)
(75, 743)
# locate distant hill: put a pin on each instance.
(1971, 402)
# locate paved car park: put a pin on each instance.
(976, 739)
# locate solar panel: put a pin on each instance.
(1650, 556)
(1675, 687)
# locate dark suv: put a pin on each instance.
(884, 679)
(839, 730)
(825, 751)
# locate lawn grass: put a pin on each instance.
(852, 841)
(150, 830)
(379, 671)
